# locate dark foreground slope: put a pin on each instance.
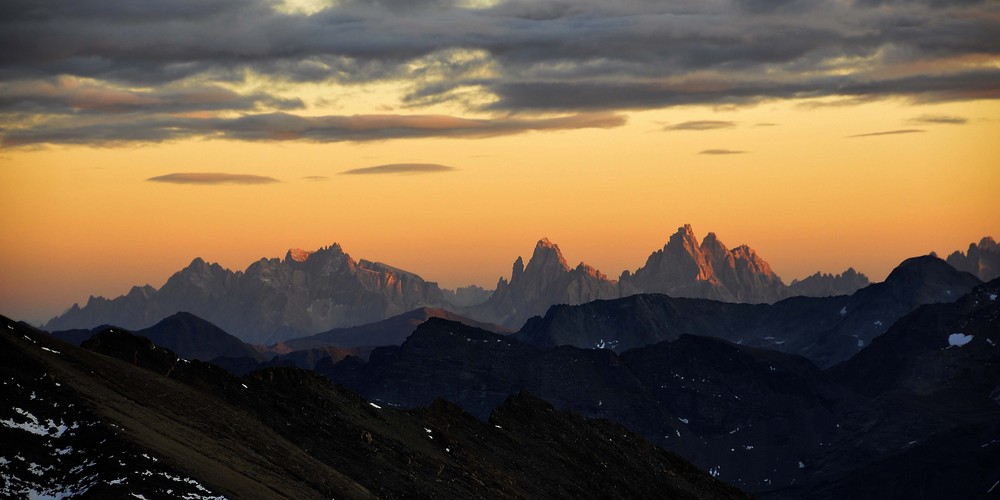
(766, 421)
(289, 432)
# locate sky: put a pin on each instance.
(446, 137)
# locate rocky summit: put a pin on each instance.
(272, 300)
(308, 292)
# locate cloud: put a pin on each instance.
(400, 168)
(315, 178)
(721, 152)
(76, 95)
(889, 132)
(511, 57)
(939, 120)
(279, 126)
(206, 178)
(701, 125)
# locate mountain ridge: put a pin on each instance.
(308, 292)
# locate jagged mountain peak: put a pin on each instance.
(684, 237)
(982, 259)
(297, 255)
(546, 254)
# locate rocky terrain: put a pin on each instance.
(982, 260)
(305, 293)
(826, 330)
(122, 416)
(272, 300)
(766, 421)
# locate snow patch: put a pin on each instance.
(861, 343)
(959, 339)
(843, 311)
(50, 350)
(802, 465)
(683, 420)
(601, 344)
(993, 296)
(377, 407)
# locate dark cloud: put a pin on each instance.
(212, 178)
(939, 120)
(519, 56)
(721, 152)
(315, 178)
(400, 168)
(889, 132)
(701, 125)
(69, 95)
(116, 130)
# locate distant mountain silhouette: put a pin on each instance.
(683, 268)
(828, 285)
(272, 300)
(827, 330)
(982, 260)
(310, 292)
(546, 280)
(391, 331)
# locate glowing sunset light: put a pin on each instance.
(446, 138)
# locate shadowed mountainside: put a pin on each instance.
(289, 432)
(826, 330)
(767, 421)
(982, 260)
(272, 300)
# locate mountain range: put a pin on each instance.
(769, 422)
(121, 417)
(309, 292)
(889, 392)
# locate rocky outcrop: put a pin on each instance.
(825, 330)
(546, 280)
(272, 300)
(982, 260)
(685, 268)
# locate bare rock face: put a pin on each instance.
(982, 260)
(546, 280)
(272, 300)
(683, 268)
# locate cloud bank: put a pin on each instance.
(721, 152)
(116, 66)
(400, 168)
(209, 178)
(889, 132)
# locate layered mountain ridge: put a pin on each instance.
(272, 300)
(315, 291)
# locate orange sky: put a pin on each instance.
(811, 181)
(83, 220)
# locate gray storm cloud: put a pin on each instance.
(525, 58)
